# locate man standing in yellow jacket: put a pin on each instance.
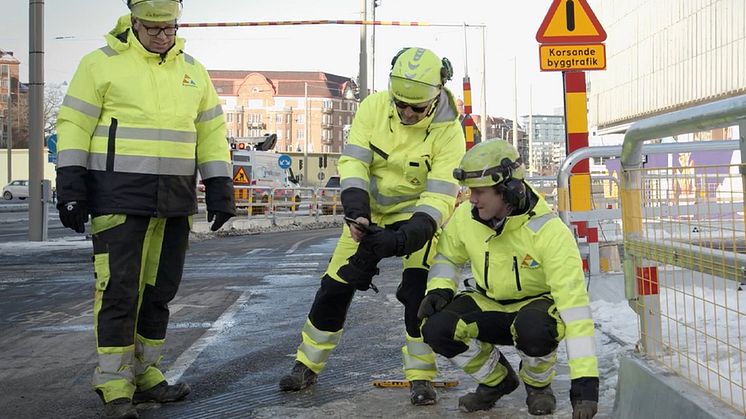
(139, 119)
(529, 290)
(397, 190)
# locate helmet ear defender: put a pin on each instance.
(513, 190)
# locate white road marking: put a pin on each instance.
(225, 321)
(295, 246)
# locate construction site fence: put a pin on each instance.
(685, 249)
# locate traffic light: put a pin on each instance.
(300, 164)
(321, 162)
(324, 161)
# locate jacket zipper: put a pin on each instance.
(111, 145)
(517, 277)
(487, 270)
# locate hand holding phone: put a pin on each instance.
(353, 222)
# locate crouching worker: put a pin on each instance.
(529, 290)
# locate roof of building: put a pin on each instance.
(7, 57)
(285, 83)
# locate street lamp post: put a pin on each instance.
(305, 135)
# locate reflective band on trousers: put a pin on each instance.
(489, 366)
(418, 348)
(320, 336)
(110, 366)
(316, 355)
(533, 366)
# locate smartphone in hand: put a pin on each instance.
(354, 222)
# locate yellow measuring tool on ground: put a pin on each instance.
(405, 383)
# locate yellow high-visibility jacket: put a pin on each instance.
(135, 127)
(534, 255)
(404, 168)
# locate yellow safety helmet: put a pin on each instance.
(155, 10)
(490, 163)
(417, 75)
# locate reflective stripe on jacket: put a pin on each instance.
(135, 127)
(404, 168)
(533, 255)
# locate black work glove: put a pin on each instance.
(74, 215)
(220, 219)
(584, 397)
(434, 301)
(219, 200)
(360, 269)
(384, 243)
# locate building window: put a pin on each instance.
(229, 117)
(300, 134)
(278, 118)
(279, 134)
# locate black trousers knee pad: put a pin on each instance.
(535, 329)
(329, 309)
(410, 293)
(438, 332)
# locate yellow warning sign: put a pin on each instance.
(570, 21)
(240, 176)
(572, 57)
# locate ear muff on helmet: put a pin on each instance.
(513, 192)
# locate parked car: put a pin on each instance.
(330, 200)
(16, 189)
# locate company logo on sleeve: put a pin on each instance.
(529, 262)
(187, 81)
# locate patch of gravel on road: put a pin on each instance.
(195, 236)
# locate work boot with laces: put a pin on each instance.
(299, 378)
(422, 393)
(121, 408)
(485, 396)
(540, 400)
(162, 393)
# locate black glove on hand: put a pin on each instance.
(584, 397)
(73, 215)
(434, 301)
(220, 219)
(383, 243)
(360, 269)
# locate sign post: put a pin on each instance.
(571, 39)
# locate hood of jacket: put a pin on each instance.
(122, 38)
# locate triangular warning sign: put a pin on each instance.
(240, 176)
(570, 21)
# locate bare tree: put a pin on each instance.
(53, 96)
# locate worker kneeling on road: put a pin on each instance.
(139, 119)
(397, 190)
(529, 291)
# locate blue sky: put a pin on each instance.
(511, 28)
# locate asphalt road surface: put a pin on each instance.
(234, 329)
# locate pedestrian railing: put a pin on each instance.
(684, 248)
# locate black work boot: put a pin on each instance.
(422, 393)
(162, 393)
(485, 396)
(540, 400)
(299, 378)
(119, 409)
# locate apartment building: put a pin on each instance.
(306, 109)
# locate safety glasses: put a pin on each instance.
(156, 30)
(416, 109)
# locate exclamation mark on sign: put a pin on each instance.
(570, 15)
